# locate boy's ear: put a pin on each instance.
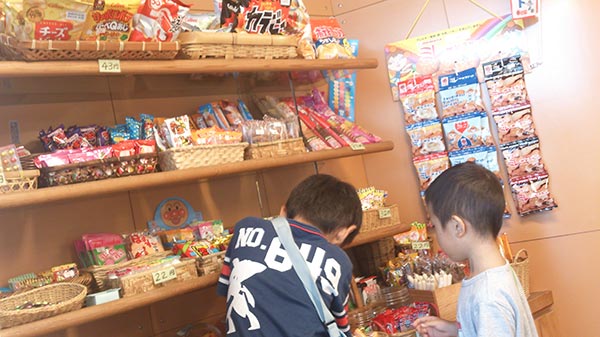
(459, 226)
(340, 235)
(282, 211)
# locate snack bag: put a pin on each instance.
(178, 133)
(467, 131)
(515, 125)
(329, 39)
(532, 194)
(110, 20)
(485, 156)
(523, 157)
(57, 20)
(158, 20)
(506, 84)
(430, 167)
(460, 93)
(418, 99)
(426, 137)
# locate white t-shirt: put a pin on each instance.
(493, 304)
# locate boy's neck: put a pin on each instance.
(485, 256)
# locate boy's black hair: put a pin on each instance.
(327, 203)
(470, 192)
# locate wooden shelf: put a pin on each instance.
(90, 68)
(89, 314)
(101, 187)
(377, 234)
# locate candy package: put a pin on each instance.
(313, 141)
(467, 131)
(460, 93)
(142, 244)
(532, 194)
(134, 128)
(329, 39)
(178, 133)
(515, 125)
(506, 84)
(200, 22)
(485, 156)
(231, 113)
(418, 99)
(110, 20)
(147, 126)
(9, 159)
(158, 20)
(426, 138)
(214, 135)
(430, 167)
(58, 20)
(523, 157)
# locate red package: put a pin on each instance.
(329, 39)
(158, 20)
(124, 149)
(145, 146)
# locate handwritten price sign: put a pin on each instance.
(164, 275)
(385, 213)
(357, 146)
(420, 245)
(109, 66)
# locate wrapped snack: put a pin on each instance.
(460, 93)
(232, 114)
(523, 157)
(102, 136)
(142, 244)
(329, 39)
(426, 138)
(485, 156)
(118, 133)
(313, 142)
(126, 148)
(244, 110)
(467, 131)
(198, 121)
(105, 249)
(57, 20)
(418, 99)
(53, 139)
(200, 22)
(506, 84)
(532, 194)
(110, 20)
(143, 146)
(173, 236)
(9, 160)
(178, 133)
(515, 125)
(318, 129)
(430, 167)
(64, 272)
(214, 135)
(158, 20)
(147, 126)
(134, 128)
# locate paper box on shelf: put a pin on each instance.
(445, 299)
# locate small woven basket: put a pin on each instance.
(140, 283)
(35, 50)
(85, 279)
(198, 45)
(200, 155)
(26, 180)
(64, 297)
(521, 268)
(370, 257)
(280, 148)
(379, 218)
(211, 263)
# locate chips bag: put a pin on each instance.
(58, 20)
(158, 20)
(330, 41)
(110, 20)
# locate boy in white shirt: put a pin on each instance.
(466, 205)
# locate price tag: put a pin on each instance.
(357, 146)
(385, 213)
(164, 275)
(420, 245)
(109, 66)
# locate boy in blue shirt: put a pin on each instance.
(265, 296)
(466, 205)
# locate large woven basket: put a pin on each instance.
(26, 180)
(280, 148)
(200, 155)
(380, 217)
(211, 263)
(37, 50)
(198, 45)
(521, 267)
(372, 256)
(64, 297)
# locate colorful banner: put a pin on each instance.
(454, 50)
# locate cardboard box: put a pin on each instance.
(445, 299)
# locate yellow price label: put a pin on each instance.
(109, 66)
(420, 245)
(164, 275)
(385, 213)
(357, 146)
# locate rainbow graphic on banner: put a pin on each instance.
(456, 49)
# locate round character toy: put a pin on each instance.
(173, 213)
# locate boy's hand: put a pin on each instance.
(431, 326)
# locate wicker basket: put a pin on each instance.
(370, 257)
(280, 148)
(142, 282)
(35, 50)
(98, 169)
(198, 45)
(26, 180)
(521, 268)
(100, 273)
(201, 155)
(211, 263)
(64, 297)
(85, 279)
(379, 218)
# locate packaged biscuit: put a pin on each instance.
(158, 20)
(460, 93)
(426, 137)
(430, 167)
(329, 39)
(418, 99)
(532, 194)
(506, 84)
(57, 20)
(467, 131)
(515, 125)
(523, 157)
(110, 20)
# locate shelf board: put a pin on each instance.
(102, 187)
(164, 67)
(377, 234)
(89, 314)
